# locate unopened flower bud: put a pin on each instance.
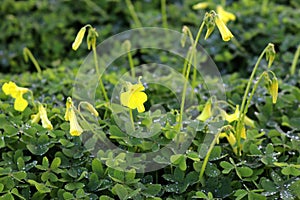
(78, 39)
(270, 54)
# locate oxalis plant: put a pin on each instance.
(133, 97)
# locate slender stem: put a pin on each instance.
(194, 72)
(131, 119)
(242, 112)
(133, 14)
(32, 100)
(131, 64)
(187, 76)
(28, 53)
(253, 91)
(294, 64)
(205, 161)
(98, 73)
(164, 14)
(186, 61)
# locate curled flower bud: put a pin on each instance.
(78, 39)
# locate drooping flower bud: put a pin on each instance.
(79, 38)
(210, 24)
(206, 113)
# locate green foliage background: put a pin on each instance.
(40, 164)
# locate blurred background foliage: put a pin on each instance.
(48, 29)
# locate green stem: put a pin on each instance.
(194, 72)
(131, 119)
(32, 100)
(28, 53)
(98, 73)
(243, 109)
(294, 64)
(186, 61)
(187, 76)
(133, 14)
(131, 64)
(253, 91)
(164, 14)
(205, 161)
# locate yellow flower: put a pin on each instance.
(134, 97)
(75, 128)
(16, 92)
(78, 39)
(231, 117)
(42, 115)
(225, 16)
(206, 112)
(224, 31)
(201, 5)
(234, 117)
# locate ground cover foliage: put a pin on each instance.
(38, 163)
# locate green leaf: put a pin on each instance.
(2, 141)
(45, 162)
(240, 193)
(74, 186)
(7, 196)
(227, 167)
(1, 187)
(16, 193)
(39, 186)
(245, 171)
(68, 195)
(152, 189)
(130, 175)
(121, 191)
(200, 194)
(93, 182)
(19, 175)
(97, 167)
(255, 196)
(20, 163)
(104, 197)
(55, 163)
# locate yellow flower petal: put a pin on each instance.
(134, 97)
(69, 105)
(9, 88)
(224, 31)
(44, 118)
(75, 128)
(231, 117)
(201, 5)
(225, 16)
(35, 118)
(78, 39)
(206, 112)
(137, 99)
(125, 98)
(20, 103)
